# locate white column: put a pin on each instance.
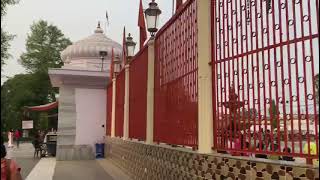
(150, 92)
(113, 111)
(126, 104)
(205, 122)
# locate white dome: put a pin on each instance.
(90, 47)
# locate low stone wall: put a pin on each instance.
(154, 162)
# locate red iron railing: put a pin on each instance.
(120, 90)
(109, 109)
(138, 95)
(265, 61)
(176, 85)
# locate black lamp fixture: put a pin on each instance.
(130, 46)
(152, 17)
(103, 54)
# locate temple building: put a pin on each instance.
(82, 100)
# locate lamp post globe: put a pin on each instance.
(130, 46)
(152, 17)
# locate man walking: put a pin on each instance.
(17, 136)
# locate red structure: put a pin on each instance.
(138, 95)
(45, 107)
(176, 74)
(120, 90)
(109, 109)
(267, 49)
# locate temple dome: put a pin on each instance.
(88, 49)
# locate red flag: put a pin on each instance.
(112, 65)
(124, 53)
(178, 4)
(142, 26)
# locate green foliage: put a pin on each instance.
(23, 90)
(43, 120)
(4, 4)
(5, 36)
(5, 45)
(43, 45)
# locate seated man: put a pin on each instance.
(39, 146)
(287, 158)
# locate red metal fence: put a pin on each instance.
(176, 85)
(109, 109)
(138, 95)
(120, 90)
(265, 61)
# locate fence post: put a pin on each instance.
(150, 92)
(126, 104)
(113, 111)
(205, 122)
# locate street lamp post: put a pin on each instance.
(152, 17)
(103, 54)
(130, 46)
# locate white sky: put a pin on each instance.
(76, 18)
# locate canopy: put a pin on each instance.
(44, 107)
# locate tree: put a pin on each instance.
(274, 111)
(5, 36)
(19, 91)
(43, 120)
(43, 47)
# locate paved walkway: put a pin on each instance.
(49, 169)
(24, 157)
(43, 170)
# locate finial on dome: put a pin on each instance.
(98, 30)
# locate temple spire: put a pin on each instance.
(98, 30)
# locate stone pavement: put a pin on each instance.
(49, 169)
(24, 157)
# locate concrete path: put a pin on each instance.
(43, 170)
(24, 157)
(80, 170)
(113, 170)
(49, 169)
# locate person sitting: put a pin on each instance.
(287, 158)
(264, 156)
(10, 170)
(37, 144)
(274, 156)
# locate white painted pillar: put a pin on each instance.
(126, 104)
(205, 121)
(150, 92)
(113, 111)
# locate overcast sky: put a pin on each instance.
(76, 18)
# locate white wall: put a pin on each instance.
(91, 115)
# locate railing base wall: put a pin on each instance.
(143, 161)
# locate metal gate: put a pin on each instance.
(266, 76)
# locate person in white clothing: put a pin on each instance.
(10, 138)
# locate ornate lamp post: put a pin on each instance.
(152, 17)
(130, 46)
(103, 54)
